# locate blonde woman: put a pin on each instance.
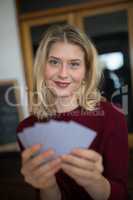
(66, 81)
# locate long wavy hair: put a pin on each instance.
(43, 100)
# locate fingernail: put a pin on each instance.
(36, 147)
(48, 152)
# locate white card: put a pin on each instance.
(59, 135)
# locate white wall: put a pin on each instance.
(11, 65)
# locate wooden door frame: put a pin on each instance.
(128, 7)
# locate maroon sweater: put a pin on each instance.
(111, 142)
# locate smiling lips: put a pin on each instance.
(62, 84)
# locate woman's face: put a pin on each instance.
(65, 69)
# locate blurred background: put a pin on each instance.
(109, 24)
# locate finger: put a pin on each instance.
(46, 176)
(74, 170)
(79, 162)
(92, 156)
(80, 180)
(26, 154)
(87, 154)
(29, 180)
(33, 163)
(80, 174)
(52, 166)
(38, 160)
(99, 167)
(43, 179)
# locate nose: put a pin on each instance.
(63, 71)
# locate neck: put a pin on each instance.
(66, 104)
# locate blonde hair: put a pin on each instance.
(42, 104)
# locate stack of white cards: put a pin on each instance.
(59, 135)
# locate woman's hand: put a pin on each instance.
(37, 173)
(85, 167)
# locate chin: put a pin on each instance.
(62, 95)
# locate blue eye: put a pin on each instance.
(53, 62)
(74, 65)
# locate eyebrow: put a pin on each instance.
(73, 60)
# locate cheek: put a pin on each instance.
(79, 76)
(48, 73)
